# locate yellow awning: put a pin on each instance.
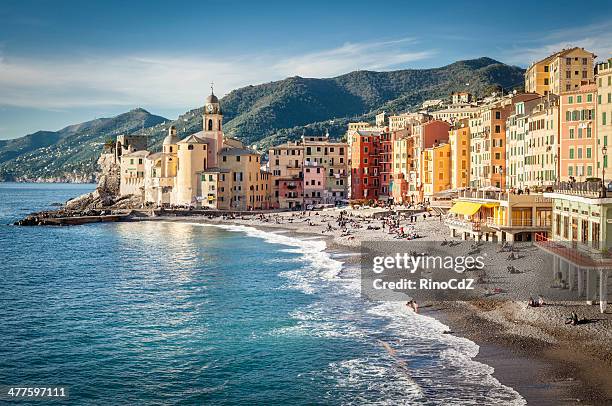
(469, 208)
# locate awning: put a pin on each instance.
(470, 208)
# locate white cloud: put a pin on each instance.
(352, 56)
(596, 38)
(176, 81)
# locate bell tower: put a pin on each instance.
(212, 125)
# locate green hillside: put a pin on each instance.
(264, 114)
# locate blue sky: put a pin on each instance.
(63, 62)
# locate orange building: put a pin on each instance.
(425, 135)
(459, 140)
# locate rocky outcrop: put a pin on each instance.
(104, 201)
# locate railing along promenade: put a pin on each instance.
(593, 189)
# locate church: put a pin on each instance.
(204, 170)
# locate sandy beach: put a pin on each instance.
(531, 349)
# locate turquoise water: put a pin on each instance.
(175, 313)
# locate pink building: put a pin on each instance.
(314, 183)
(578, 143)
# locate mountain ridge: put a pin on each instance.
(263, 114)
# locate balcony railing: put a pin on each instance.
(469, 225)
(483, 194)
(523, 222)
(593, 189)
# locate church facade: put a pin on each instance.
(204, 169)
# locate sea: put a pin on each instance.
(164, 313)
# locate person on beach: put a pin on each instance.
(413, 305)
(540, 300)
(572, 319)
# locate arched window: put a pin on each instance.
(219, 126)
(209, 125)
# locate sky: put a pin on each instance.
(65, 62)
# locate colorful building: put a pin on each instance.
(365, 164)
(425, 135)
(285, 164)
(436, 170)
(542, 143)
(581, 239)
(488, 141)
(604, 112)
(459, 142)
(562, 71)
(499, 216)
(578, 133)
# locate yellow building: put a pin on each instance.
(402, 165)
(459, 141)
(160, 169)
(488, 141)
(133, 173)
(192, 155)
(560, 72)
(359, 125)
(436, 170)
(285, 164)
(499, 216)
(542, 143)
(204, 169)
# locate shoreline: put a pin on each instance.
(542, 372)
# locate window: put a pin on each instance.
(571, 133)
(571, 154)
(588, 153)
(570, 100)
(190, 147)
(210, 125)
(589, 98)
(603, 118)
(579, 99)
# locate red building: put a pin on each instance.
(365, 164)
(291, 192)
(386, 164)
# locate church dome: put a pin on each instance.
(212, 99)
(171, 138)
